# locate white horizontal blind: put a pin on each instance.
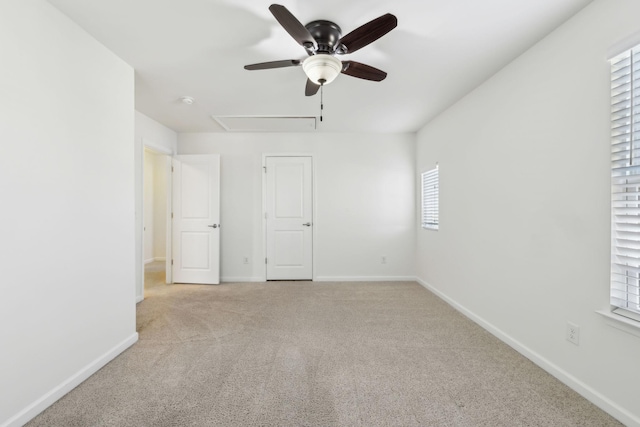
(430, 198)
(625, 180)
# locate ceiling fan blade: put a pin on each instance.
(294, 27)
(362, 71)
(311, 88)
(368, 33)
(273, 64)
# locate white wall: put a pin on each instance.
(154, 135)
(364, 201)
(67, 173)
(523, 245)
(151, 134)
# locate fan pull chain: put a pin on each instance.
(321, 100)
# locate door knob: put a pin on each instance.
(308, 224)
(214, 225)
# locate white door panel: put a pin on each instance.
(196, 219)
(289, 248)
(195, 250)
(289, 218)
(289, 191)
(195, 202)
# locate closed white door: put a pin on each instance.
(196, 219)
(289, 218)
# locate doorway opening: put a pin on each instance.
(156, 221)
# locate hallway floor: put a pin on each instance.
(154, 275)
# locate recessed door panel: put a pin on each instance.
(195, 250)
(289, 191)
(289, 248)
(195, 185)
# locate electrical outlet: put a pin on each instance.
(383, 259)
(245, 260)
(573, 333)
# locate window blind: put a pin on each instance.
(625, 180)
(430, 198)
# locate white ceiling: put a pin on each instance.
(441, 50)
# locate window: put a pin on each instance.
(430, 196)
(625, 181)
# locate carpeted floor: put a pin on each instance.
(315, 354)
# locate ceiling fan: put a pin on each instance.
(323, 41)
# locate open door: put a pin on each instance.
(196, 219)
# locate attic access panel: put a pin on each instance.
(266, 124)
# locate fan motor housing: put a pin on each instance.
(326, 33)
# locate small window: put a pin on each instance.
(430, 196)
(625, 181)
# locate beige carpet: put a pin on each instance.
(315, 354)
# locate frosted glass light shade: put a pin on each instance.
(322, 67)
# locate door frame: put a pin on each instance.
(313, 209)
(149, 145)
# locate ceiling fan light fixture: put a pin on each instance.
(322, 67)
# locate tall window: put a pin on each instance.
(430, 196)
(625, 181)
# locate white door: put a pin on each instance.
(196, 219)
(289, 218)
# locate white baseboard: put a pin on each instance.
(28, 413)
(229, 279)
(581, 388)
(139, 298)
(158, 258)
(365, 279)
